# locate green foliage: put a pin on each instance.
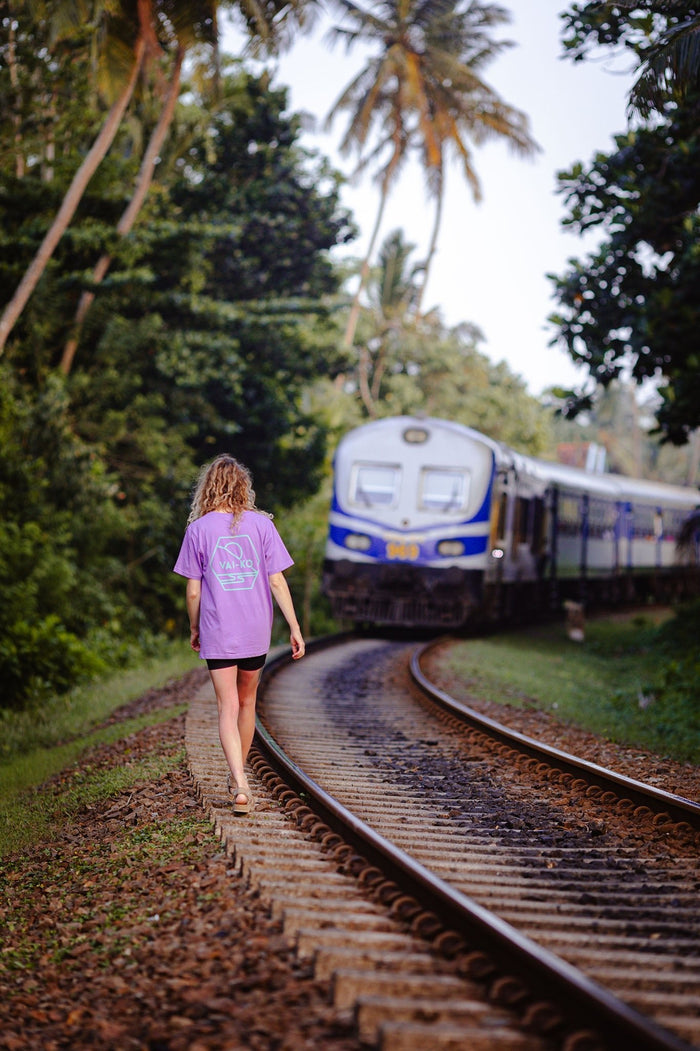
(33, 739)
(304, 530)
(55, 501)
(415, 363)
(618, 683)
(664, 35)
(223, 303)
(213, 320)
(632, 304)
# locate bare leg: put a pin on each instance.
(247, 694)
(225, 685)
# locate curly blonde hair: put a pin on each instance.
(223, 485)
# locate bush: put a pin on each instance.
(41, 658)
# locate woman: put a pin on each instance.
(233, 559)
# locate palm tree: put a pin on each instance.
(671, 65)
(266, 23)
(393, 292)
(423, 90)
(121, 37)
(463, 108)
(195, 20)
(128, 217)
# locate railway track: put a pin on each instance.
(458, 887)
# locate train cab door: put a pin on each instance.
(499, 530)
(495, 577)
(522, 516)
(529, 535)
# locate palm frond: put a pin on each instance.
(670, 66)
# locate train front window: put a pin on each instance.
(442, 490)
(375, 485)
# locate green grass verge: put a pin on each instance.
(28, 818)
(167, 848)
(39, 744)
(73, 714)
(33, 768)
(619, 683)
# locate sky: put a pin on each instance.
(493, 257)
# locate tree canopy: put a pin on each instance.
(663, 36)
(422, 91)
(217, 310)
(631, 306)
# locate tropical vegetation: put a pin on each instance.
(630, 307)
(179, 298)
(634, 681)
(663, 36)
(422, 92)
(212, 320)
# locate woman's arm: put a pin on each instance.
(193, 596)
(283, 598)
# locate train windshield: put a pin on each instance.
(375, 485)
(443, 489)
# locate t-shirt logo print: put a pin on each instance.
(235, 563)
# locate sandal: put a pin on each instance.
(240, 808)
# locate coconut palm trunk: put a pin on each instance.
(437, 222)
(132, 210)
(70, 202)
(364, 271)
(16, 118)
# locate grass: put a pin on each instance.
(167, 849)
(39, 744)
(621, 683)
(74, 714)
(28, 817)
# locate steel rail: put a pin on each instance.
(588, 1005)
(677, 807)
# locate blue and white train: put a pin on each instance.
(433, 523)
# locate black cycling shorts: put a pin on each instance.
(245, 663)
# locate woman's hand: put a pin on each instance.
(298, 644)
(193, 593)
(283, 598)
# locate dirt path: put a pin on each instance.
(130, 930)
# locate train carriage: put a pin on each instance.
(433, 523)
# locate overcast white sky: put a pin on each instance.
(492, 257)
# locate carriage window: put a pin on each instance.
(602, 516)
(442, 490)
(375, 485)
(539, 526)
(643, 522)
(569, 514)
(672, 522)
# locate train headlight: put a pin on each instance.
(497, 552)
(450, 548)
(358, 542)
(415, 435)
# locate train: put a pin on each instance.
(434, 525)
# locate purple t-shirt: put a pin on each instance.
(235, 618)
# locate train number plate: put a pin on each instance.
(401, 552)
